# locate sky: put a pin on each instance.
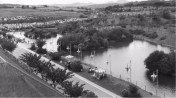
(41, 2)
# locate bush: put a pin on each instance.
(88, 94)
(151, 35)
(163, 38)
(33, 47)
(76, 66)
(56, 55)
(73, 90)
(40, 43)
(131, 92)
(133, 89)
(9, 36)
(137, 32)
(41, 51)
(8, 45)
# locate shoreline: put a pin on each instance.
(153, 42)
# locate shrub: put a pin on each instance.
(73, 90)
(56, 55)
(137, 32)
(151, 35)
(40, 43)
(9, 36)
(76, 66)
(41, 51)
(163, 38)
(89, 94)
(33, 47)
(8, 45)
(131, 92)
(133, 89)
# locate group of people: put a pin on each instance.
(98, 73)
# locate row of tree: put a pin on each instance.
(165, 63)
(57, 76)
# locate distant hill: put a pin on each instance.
(71, 5)
(91, 5)
(9, 5)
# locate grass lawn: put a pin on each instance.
(14, 84)
(169, 33)
(12, 12)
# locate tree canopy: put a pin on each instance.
(165, 63)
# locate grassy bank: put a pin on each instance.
(13, 83)
(154, 41)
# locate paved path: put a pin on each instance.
(98, 90)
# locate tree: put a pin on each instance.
(166, 14)
(33, 47)
(63, 75)
(73, 90)
(56, 55)
(76, 66)
(23, 7)
(7, 44)
(165, 63)
(58, 75)
(40, 43)
(45, 5)
(153, 60)
(132, 91)
(34, 7)
(31, 60)
(88, 94)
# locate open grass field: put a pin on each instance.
(12, 12)
(14, 84)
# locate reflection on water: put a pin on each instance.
(121, 54)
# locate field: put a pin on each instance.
(14, 84)
(49, 12)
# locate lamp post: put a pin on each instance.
(93, 57)
(59, 45)
(155, 76)
(108, 62)
(69, 48)
(78, 51)
(128, 68)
